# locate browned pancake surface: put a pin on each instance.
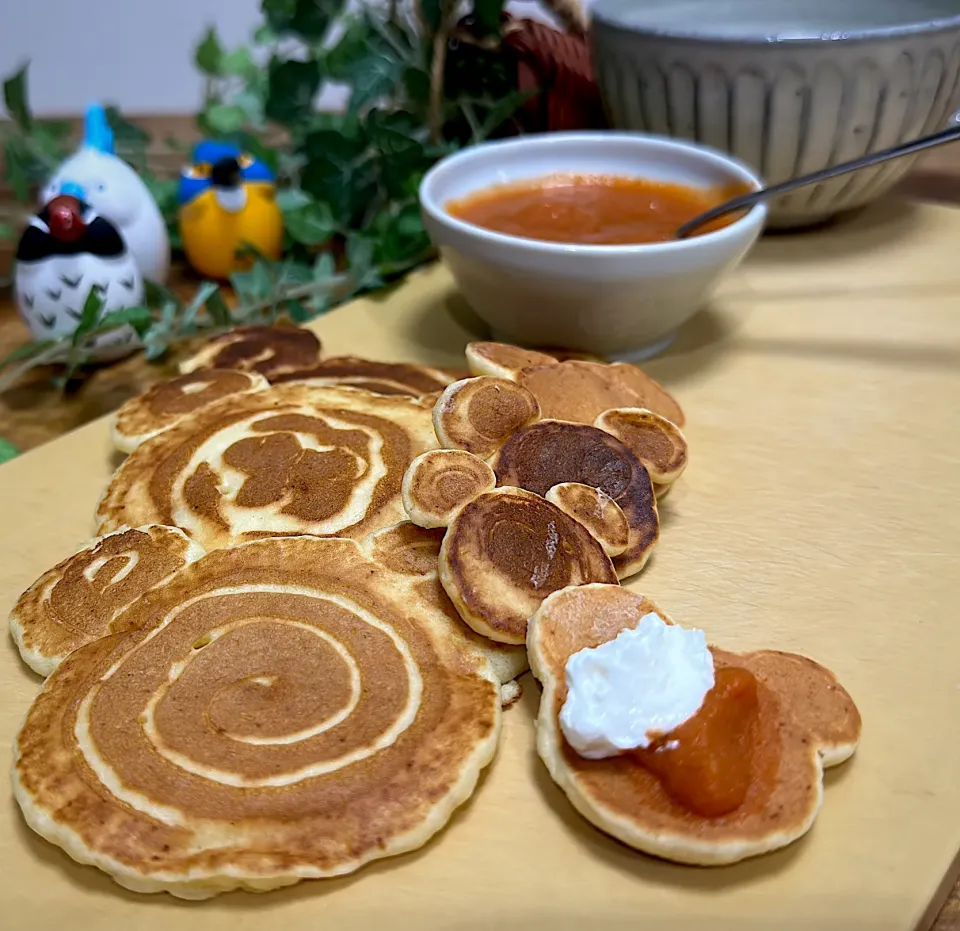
(479, 414)
(440, 482)
(654, 440)
(549, 453)
(503, 360)
(804, 715)
(507, 551)
(267, 350)
(576, 391)
(379, 377)
(299, 713)
(73, 603)
(653, 396)
(597, 511)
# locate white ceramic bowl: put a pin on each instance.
(788, 86)
(618, 301)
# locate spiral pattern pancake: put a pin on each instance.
(479, 414)
(440, 482)
(283, 710)
(552, 452)
(508, 550)
(268, 350)
(169, 402)
(289, 460)
(379, 377)
(657, 442)
(73, 603)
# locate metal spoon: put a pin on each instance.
(754, 197)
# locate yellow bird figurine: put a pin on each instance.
(227, 200)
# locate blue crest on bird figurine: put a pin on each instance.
(227, 200)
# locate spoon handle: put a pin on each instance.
(754, 197)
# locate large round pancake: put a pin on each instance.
(267, 350)
(284, 710)
(169, 402)
(73, 603)
(415, 551)
(806, 721)
(551, 452)
(289, 460)
(379, 377)
(479, 414)
(506, 551)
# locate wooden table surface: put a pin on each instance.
(33, 411)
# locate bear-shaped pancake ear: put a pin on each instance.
(503, 360)
(440, 483)
(480, 414)
(597, 511)
(657, 442)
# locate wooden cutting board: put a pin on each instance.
(819, 514)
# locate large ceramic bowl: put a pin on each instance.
(619, 301)
(788, 86)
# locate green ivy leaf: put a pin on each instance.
(199, 299)
(90, 316)
(264, 35)
(7, 450)
(225, 119)
(253, 285)
(401, 153)
(209, 53)
(308, 19)
(297, 311)
(217, 308)
(311, 224)
(404, 239)
(292, 89)
(139, 318)
(15, 99)
(324, 267)
(338, 172)
(17, 161)
(259, 149)
(239, 63)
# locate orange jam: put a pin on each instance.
(706, 764)
(597, 210)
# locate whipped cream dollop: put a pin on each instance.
(629, 691)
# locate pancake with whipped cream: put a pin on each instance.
(480, 414)
(73, 603)
(169, 402)
(379, 377)
(552, 452)
(680, 750)
(267, 350)
(289, 460)
(284, 710)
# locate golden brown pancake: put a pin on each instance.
(415, 551)
(657, 442)
(597, 511)
(479, 414)
(653, 396)
(268, 350)
(551, 452)
(502, 360)
(73, 603)
(379, 377)
(576, 391)
(506, 551)
(805, 721)
(289, 460)
(169, 402)
(285, 710)
(440, 482)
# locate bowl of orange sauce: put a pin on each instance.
(569, 239)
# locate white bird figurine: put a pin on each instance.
(65, 252)
(116, 193)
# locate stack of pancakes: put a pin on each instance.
(314, 585)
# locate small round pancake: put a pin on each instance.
(597, 511)
(657, 442)
(415, 551)
(479, 414)
(578, 392)
(169, 402)
(73, 603)
(551, 452)
(506, 551)
(441, 482)
(285, 710)
(806, 721)
(653, 396)
(502, 360)
(378, 377)
(289, 460)
(267, 350)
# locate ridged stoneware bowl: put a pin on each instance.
(787, 86)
